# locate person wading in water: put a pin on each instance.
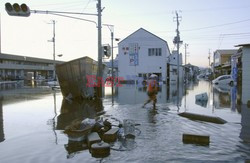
(152, 90)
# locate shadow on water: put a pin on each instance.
(72, 111)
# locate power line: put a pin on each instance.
(56, 4)
(86, 5)
(214, 26)
(208, 27)
(217, 8)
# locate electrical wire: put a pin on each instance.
(86, 6)
(215, 26)
(56, 4)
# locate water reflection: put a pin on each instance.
(245, 123)
(52, 121)
(160, 136)
(201, 103)
(137, 94)
(77, 110)
(152, 113)
(221, 95)
(225, 96)
(13, 85)
(73, 147)
(1, 120)
(72, 110)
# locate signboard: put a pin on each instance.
(234, 68)
(133, 54)
(133, 59)
(133, 48)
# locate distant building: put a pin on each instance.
(191, 71)
(141, 54)
(172, 67)
(222, 61)
(15, 67)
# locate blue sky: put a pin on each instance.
(213, 24)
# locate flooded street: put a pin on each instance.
(32, 124)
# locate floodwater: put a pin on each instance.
(32, 122)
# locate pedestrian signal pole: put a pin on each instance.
(23, 10)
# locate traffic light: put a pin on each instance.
(17, 10)
(106, 50)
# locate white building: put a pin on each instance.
(245, 73)
(173, 68)
(141, 54)
(222, 61)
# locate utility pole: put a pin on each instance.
(186, 45)
(100, 68)
(112, 62)
(209, 55)
(177, 41)
(54, 48)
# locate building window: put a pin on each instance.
(154, 52)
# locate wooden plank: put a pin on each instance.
(93, 138)
(205, 118)
(196, 139)
(110, 135)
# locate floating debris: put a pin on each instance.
(96, 134)
(93, 138)
(196, 139)
(111, 135)
(100, 150)
(205, 118)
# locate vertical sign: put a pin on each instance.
(131, 60)
(133, 54)
(234, 68)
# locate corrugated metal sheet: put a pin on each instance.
(72, 77)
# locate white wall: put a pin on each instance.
(173, 65)
(245, 74)
(217, 58)
(147, 64)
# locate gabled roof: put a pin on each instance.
(145, 31)
(242, 45)
(227, 51)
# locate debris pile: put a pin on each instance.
(99, 136)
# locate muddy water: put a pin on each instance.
(31, 126)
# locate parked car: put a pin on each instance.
(224, 79)
(223, 88)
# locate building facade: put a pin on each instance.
(142, 54)
(222, 61)
(15, 67)
(172, 68)
(245, 52)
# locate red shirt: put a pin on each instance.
(152, 85)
